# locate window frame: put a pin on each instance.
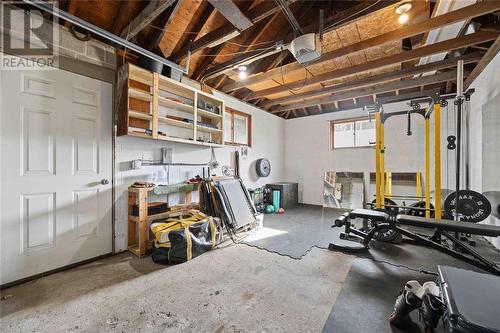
(344, 121)
(233, 112)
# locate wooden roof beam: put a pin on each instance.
(488, 56)
(253, 36)
(374, 89)
(433, 66)
(156, 41)
(444, 46)
(336, 21)
(145, 17)
(232, 13)
(201, 68)
(197, 20)
(120, 18)
(225, 33)
(474, 10)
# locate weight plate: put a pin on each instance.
(384, 234)
(473, 206)
(419, 212)
(263, 167)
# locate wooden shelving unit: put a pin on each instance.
(139, 241)
(156, 107)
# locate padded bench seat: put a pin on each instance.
(373, 215)
(465, 227)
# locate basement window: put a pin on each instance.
(238, 128)
(352, 133)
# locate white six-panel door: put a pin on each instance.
(56, 157)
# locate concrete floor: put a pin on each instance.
(236, 288)
(283, 280)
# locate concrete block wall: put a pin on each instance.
(308, 154)
(92, 51)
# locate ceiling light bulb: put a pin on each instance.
(403, 18)
(242, 74)
(242, 71)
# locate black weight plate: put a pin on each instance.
(419, 212)
(384, 234)
(473, 206)
(263, 167)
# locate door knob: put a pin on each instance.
(104, 181)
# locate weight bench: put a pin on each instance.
(356, 240)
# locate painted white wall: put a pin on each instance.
(308, 155)
(267, 141)
(485, 146)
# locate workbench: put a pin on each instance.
(139, 240)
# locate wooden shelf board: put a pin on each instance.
(167, 84)
(208, 129)
(141, 135)
(208, 114)
(170, 138)
(140, 74)
(136, 190)
(139, 115)
(174, 122)
(159, 216)
(139, 94)
(191, 142)
(175, 105)
(208, 144)
(206, 96)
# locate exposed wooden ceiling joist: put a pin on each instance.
(193, 20)
(120, 19)
(156, 41)
(374, 89)
(254, 35)
(434, 66)
(145, 17)
(404, 32)
(232, 13)
(271, 32)
(388, 99)
(198, 74)
(488, 56)
(226, 32)
(444, 46)
(363, 47)
(334, 22)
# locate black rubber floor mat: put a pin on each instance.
(376, 278)
(367, 299)
(298, 230)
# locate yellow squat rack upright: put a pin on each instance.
(380, 182)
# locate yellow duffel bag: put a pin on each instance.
(182, 238)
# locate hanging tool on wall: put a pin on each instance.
(166, 154)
